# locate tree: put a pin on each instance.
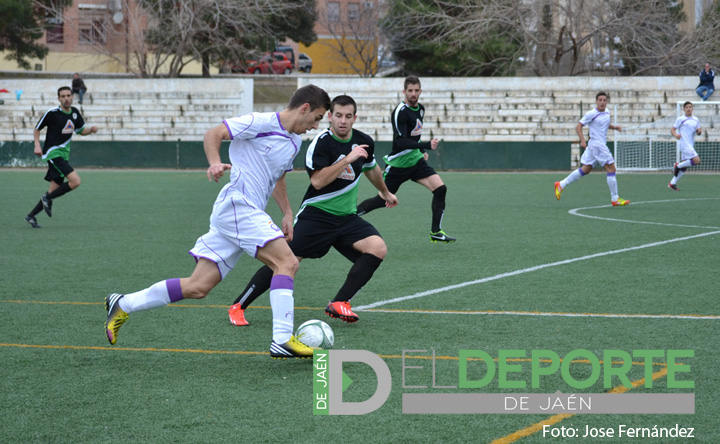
(557, 37)
(164, 36)
(355, 39)
(412, 27)
(20, 30)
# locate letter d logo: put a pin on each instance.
(336, 383)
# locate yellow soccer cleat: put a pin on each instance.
(620, 202)
(291, 349)
(116, 317)
(558, 190)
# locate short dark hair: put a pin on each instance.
(343, 100)
(601, 93)
(313, 95)
(62, 88)
(687, 103)
(411, 80)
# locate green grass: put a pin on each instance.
(168, 381)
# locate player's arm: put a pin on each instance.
(321, 178)
(698, 131)
(675, 133)
(615, 127)
(402, 135)
(92, 130)
(211, 143)
(579, 131)
(281, 198)
(375, 177)
(38, 149)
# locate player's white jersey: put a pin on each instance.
(261, 151)
(686, 127)
(598, 124)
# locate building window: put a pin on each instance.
(92, 25)
(333, 12)
(353, 12)
(54, 32)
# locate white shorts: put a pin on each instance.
(235, 228)
(687, 152)
(599, 154)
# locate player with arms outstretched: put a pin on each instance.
(684, 130)
(262, 149)
(61, 122)
(598, 122)
(335, 161)
(408, 159)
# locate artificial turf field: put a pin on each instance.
(184, 374)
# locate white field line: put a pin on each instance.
(553, 264)
(550, 314)
(575, 212)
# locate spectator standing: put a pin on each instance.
(707, 85)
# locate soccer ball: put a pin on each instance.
(315, 333)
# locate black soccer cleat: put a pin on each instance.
(47, 204)
(32, 221)
(440, 236)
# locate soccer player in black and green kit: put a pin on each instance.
(62, 122)
(335, 161)
(408, 159)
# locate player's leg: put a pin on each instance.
(680, 168)
(366, 253)
(55, 177)
(584, 170)
(60, 188)
(437, 187)
(615, 199)
(278, 256)
(393, 177)
(203, 279)
(259, 284)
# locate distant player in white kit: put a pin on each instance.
(598, 122)
(262, 149)
(684, 130)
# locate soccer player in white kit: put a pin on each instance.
(262, 149)
(684, 130)
(598, 122)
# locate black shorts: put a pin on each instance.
(394, 176)
(58, 169)
(316, 231)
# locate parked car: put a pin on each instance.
(289, 52)
(275, 63)
(304, 63)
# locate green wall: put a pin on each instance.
(448, 156)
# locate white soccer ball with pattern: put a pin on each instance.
(315, 333)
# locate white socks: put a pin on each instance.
(612, 184)
(572, 177)
(283, 307)
(154, 296)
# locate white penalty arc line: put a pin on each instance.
(576, 212)
(529, 270)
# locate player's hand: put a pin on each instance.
(699, 131)
(93, 129)
(37, 151)
(426, 156)
(618, 128)
(357, 152)
(678, 137)
(583, 144)
(390, 199)
(217, 170)
(287, 227)
(434, 143)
